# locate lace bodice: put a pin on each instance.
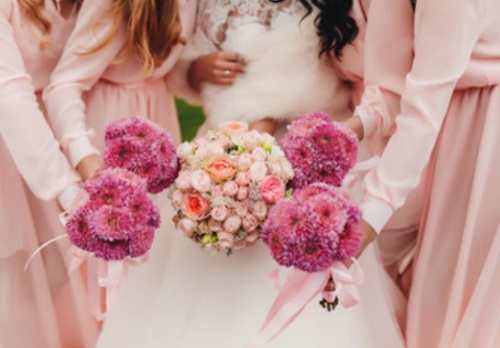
(216, 17)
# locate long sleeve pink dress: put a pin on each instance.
(384, 73)
(88, 91)
(41, 307)
(448, 122)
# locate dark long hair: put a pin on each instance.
(334, 25)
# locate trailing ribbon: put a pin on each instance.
(299, 289)
(101, 275)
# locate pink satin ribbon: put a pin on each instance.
(101, 274)
(299, 289)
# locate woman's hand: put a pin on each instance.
(89, 165)
(369, 235)
(219, 68)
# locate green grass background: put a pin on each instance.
(190, 118)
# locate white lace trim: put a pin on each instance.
(216, 17)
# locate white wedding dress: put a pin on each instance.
(184, 297)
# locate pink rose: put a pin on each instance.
(233, 128)
(216, 191)
(259, 209)
(258, 171)
(232, 224)
(241, 209)
(226, 240)
(243, 178)
(219, 213)
(272, 189)
(244, 161)
(183, 181)
(186, 226)
(230, 188)
(249, 222)
(242, 193)
(259, 154)
(221, 169)
(200, 181)
(252, 238)
(195, 205)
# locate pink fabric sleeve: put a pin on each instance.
(446, 33)
(76, 73)
(22, 125)
(388, 59)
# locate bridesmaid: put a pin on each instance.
(117, 69)
(450, 109)
(42, 307)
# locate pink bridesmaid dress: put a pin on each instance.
(87, 92)
(449, 122)
(41, 307)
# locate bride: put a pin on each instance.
(255, 61)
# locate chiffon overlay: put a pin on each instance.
(41, 307)
(449, 123)
(186, 298)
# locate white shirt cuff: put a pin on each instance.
(368, 120)
(376, 212)
(79, 148)
(67, 196)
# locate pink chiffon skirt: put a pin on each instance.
(42, 307)
(454, 299)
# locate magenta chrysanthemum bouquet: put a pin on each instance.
(317, 225)
(319, 150)
(115, 219)
(228, 181)
(144, 148)
(313, 231)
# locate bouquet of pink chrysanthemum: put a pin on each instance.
(115, 219)
(319, 150)
(144, 148)
(312, 231)
(317, 225)
(227, 183)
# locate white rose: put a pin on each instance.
(185, 150)
(258, 171)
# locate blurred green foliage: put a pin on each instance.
(190, 118)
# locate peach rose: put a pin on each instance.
(221, 169)
(195, 205)
(233, 128)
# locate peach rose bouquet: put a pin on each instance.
(227, 183)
